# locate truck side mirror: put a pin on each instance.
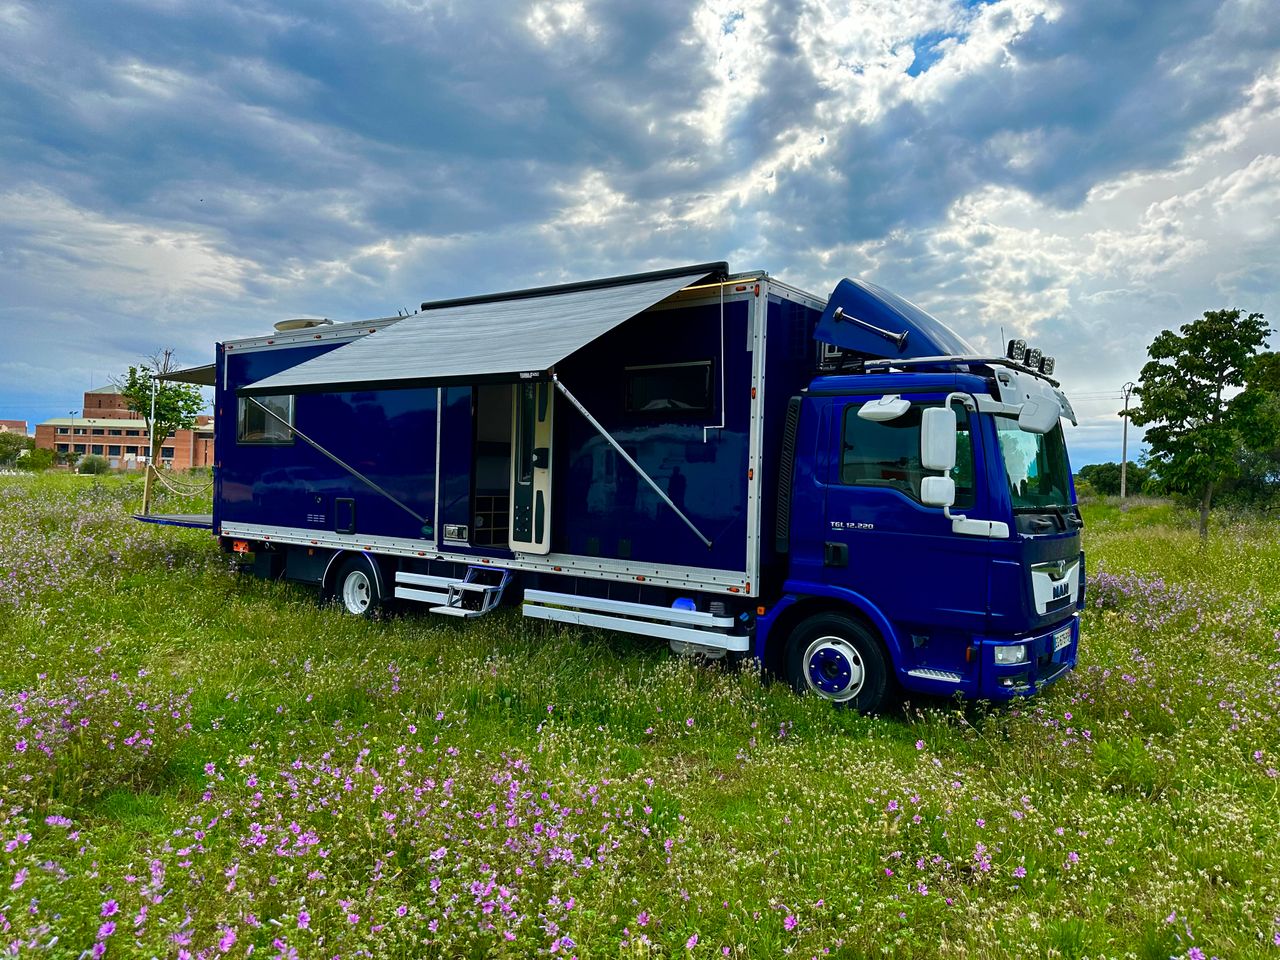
(937, 491)
(938, 438)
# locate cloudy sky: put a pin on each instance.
(175, 172)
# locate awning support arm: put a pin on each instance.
(345, 466)
(627, 457)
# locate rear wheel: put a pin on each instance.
(836, 658)
(358, 588)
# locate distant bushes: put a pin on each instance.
(94, 464)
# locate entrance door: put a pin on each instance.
(531, 467)
(885, 544)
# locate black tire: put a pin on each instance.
(839, 659)
(358, 587)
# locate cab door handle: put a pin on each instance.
(835, 554)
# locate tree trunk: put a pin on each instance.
(1205, 502)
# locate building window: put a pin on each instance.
(97, 449)
(886, 453)
(99, 432)
(681, 388)
(62, 430)
(132, 433)
(113, 450)
(166, 453)
(255, 425)
(62, 448)
(113, 433)
(79, 431)
(79, 448)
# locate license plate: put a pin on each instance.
(1061, 639)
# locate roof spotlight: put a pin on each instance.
(1046, 366)
(1033, 358)
(1017, 349)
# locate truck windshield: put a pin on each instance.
(1037, 467)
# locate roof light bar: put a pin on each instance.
(1017, 350)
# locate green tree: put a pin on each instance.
(1196, 405)
(37, 459)
(94, 464)
(11, 444)
(176, 404)
(1105, 477)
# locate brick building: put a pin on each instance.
(14, 426)
(108, 428)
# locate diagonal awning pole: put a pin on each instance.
(345, 466)
(627, 457)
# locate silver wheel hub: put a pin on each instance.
(833, 669)
(357, 592)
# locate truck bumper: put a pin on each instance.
(1044, 658)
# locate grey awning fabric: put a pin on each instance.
(203, 375)
(499, 337)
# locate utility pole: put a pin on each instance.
(1124, 439)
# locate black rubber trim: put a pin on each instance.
(786, 475)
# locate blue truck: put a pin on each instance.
(839, 487)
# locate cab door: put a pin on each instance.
(889, 547)
(531, 421)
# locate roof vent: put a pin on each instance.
(301, 323)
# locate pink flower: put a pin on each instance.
(110, 908)
(790, 922)
(228, 939)
(304, 920)
(1019, 872)
(106, 930)
(691, 942)
(643, 918)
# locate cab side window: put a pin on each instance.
(886, 453)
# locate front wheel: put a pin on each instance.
(838, 659)
(358, 588)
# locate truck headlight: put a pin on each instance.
(1011, 654)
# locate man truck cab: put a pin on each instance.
(933, 534)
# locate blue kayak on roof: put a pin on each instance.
(866, 319)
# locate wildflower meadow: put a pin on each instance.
(195, 763)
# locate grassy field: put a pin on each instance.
(197, 763)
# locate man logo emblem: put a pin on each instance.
(1060, 590)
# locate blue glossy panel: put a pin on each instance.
(927, 336)
(602, 507)
(388, 436)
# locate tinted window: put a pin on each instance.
(672, 388)
(1036, 465)
(886, 453)
(255, 425)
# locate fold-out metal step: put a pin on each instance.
(689, 631)
(474, 596)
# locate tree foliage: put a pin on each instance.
(1197, 403)
(176, 404)
(1104, 478)
(38, 459)
(11, 444)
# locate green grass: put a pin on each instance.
(231, 755)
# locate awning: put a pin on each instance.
(203, 376)
(507, 336)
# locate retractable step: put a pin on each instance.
(479, 592)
